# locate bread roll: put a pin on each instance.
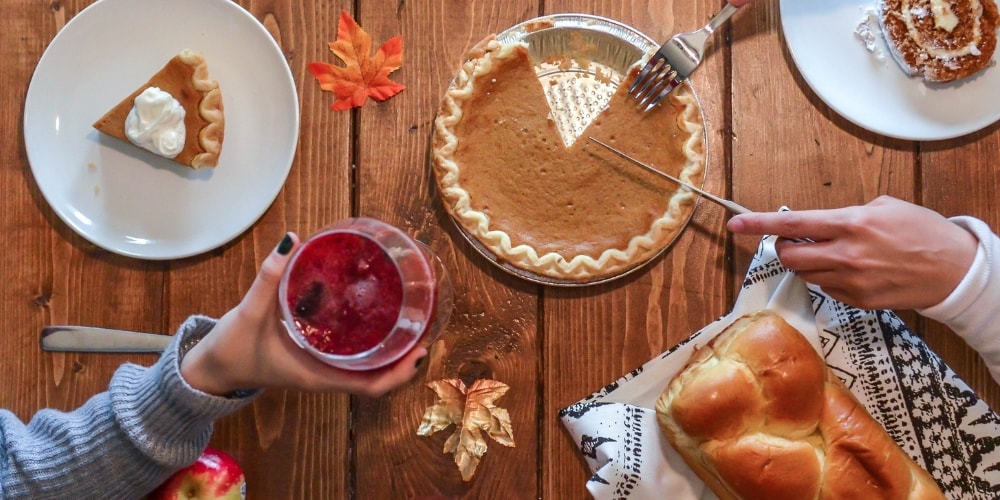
(941, 40)
(757, 414)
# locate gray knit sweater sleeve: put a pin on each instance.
(121, 443)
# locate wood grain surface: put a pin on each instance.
(772, 142)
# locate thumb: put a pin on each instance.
(263, 291)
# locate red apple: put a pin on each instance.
(214, 476)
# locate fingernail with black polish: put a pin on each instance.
(286, 245)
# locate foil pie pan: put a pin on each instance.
(580, 60)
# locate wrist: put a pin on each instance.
(202, 371)
(953, 256)
(964, 248)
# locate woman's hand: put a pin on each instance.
(249, 348)
(888, 254)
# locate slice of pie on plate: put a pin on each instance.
(577, 214)
(177, 114)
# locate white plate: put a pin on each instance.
(874, 93)
(125, 199)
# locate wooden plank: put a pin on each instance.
(595, 335)
(827, 162)
(290, 444)
(492, 333)
(790, 148)
(959, 178)
(51, 274)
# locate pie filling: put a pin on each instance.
(577, 213)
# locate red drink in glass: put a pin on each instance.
(361, 293)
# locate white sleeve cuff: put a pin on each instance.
(972, 309)
(970, 288)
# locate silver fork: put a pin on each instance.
(676, 60)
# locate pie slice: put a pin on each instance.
(578, 213)
(192, 138)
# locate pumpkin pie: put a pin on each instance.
(575, 214)
(193, 137)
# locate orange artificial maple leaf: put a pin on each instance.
(364, 75)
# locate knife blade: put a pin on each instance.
(71, 338)
(730, 205)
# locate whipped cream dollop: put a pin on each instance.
(156, 123)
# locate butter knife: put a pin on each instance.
(93, 339)
(730, 205)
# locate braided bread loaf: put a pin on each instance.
(757, 414)
(941, 40)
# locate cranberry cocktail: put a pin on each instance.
(361, 293)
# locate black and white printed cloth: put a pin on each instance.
(920, 401)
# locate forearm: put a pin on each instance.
(973, 308)
(121, 443)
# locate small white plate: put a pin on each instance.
(869, 88)
(125, 199)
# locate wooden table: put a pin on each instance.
(772, 142)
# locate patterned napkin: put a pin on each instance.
(920, 401)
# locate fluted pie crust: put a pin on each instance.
(186, 78)
(578, 213)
